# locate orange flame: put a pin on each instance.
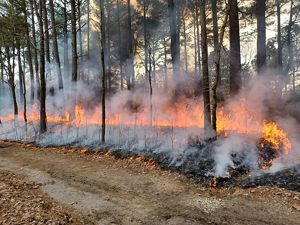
(239, 119)
(275, 136)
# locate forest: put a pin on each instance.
(155, 110)
(135, 73)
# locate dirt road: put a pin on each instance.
(103, 190)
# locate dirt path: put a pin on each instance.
(104, 190)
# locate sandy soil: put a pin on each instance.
(99, 189)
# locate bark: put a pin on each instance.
(28, 45)
(145, 38)
(11, 81)
(214, 9)
(119, 46)
(88, 37)
(261, 35)
(185, 47)
(279, 40)
(206, 86)
(215, 24)
(218, 74)
(108, 47)
(2, 77)
(150, 88)
(235, 48)
(130, 48)
(55, 46)
(195, 45)
(103, 71)
(289, 42)
(198, 35)
(153, 61)
(20, 70)
(80, 31)
(35, 53)
(165, 67)
(43, 118)
(65, 34)
(88, 29)
(46, 32)
(175, 45)
(74, 42)
(24, 98)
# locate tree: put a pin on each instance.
(261, 35)
(130, 71)
(74, 42)
(235, 48)
(279, 54)
(217, 64)
(35, 52)
(205, 73)
(102, 31)
(28, 45)
(55, 46)
(43, 117)
(175, 45)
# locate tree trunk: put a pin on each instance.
(2, 77)
(289, 43)
(43, 118)
(218, 73)
(235, 48)
(35, 53)
(119, 44)
(261, 35)
(195, 44)
(130, 47)
(20, 70)
(65, 34)
(214, 9)
(24, 98)
(55, 46)
(108, 48)
(88, 36)
(74, 42)
(185, 47)
(88, 29)
(150, 88)
(46, 32)
(175, 45)
(198, 35)
(80, 33)
(206, 86)
(11, 81)
(165, 67)
(279, 41)
(103, 71)
(145, 38)
(28, 45)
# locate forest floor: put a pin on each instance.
(69, 186)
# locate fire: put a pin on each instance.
(276, 137)
(239, 118)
